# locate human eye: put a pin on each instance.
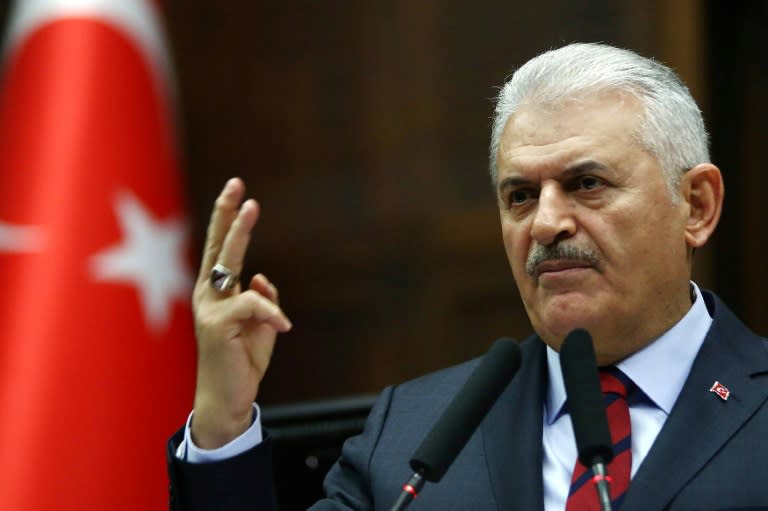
(589, 183)
(518, 197)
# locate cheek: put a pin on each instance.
(516, 245)
(628, 245)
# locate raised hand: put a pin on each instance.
(235, 328)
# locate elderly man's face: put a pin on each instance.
(592, 233)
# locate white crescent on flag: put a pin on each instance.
(135, 17)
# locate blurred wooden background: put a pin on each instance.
(362, 127)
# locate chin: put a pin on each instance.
(558, 322)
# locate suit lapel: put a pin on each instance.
(512, 435)
(701, 423)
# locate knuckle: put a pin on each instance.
(199, 293)
(253, 298)
(222, 202)
(262, 307)
(213, 248)
(206, 322)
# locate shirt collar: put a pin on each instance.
(671, 355)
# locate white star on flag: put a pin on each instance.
(151, 257)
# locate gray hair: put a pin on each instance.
(671, 128)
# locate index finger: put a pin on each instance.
(236, 241)
(224, 213)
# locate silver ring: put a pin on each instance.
(222, 278)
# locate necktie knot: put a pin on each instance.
(613, 381)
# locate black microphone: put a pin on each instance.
(587, 409)
(457, 423)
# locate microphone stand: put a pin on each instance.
(410, 491)
(602, 484)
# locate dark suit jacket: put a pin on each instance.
(711, 454)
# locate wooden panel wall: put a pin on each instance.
(362, 127)
(738, 77)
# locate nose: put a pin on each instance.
(553, 219)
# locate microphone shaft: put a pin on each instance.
(410, 491)
(602, 485)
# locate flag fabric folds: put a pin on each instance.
(96, 343)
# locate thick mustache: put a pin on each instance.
(542, 253)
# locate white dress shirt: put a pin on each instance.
(659, 370)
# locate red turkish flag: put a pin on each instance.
(96, 343)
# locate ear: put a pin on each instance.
(702, 189)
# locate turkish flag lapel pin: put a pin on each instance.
(721, 390)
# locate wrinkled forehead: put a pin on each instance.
(611, 119)
(555, 98)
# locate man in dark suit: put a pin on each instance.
(600, 164)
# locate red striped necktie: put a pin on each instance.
(583, 495)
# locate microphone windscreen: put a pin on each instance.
(585, 399)
(467, 409)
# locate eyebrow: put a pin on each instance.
(578, 169)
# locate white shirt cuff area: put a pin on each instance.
(189, 452)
